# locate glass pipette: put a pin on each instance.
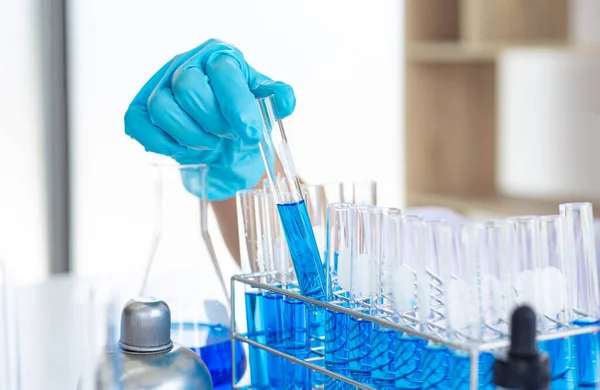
(291, 204)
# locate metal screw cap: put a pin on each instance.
(145, 326)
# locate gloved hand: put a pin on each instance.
(200, 107)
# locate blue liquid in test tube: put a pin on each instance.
(256, 331)
(296, 342)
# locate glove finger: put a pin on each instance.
(165, 113)
(194, 94)
(237, 103)
(262, 86)
(139, 127)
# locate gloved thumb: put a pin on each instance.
(262, 86)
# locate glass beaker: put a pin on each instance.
(183, 271)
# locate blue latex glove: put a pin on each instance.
(200, 107)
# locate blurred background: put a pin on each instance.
(488, 108)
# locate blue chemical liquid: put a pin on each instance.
(460, 371)
(259, 358)
(336, 343)
(408, 361)
(436, 368)
(588, 353)
(563, 363)
(317, 344)
(215, 349)
(359, 349)
(273, 316)
(303, 249)
(296, 319)
(384, 345)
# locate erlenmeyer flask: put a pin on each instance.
(183, 271)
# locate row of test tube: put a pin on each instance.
(454, 283)
(458, 284)
(274, 319)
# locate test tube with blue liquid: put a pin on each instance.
(290, 204)
(252, 259)
(555, 297)
(438, 258)
(463, 306)
(580, 250)
(408, 278)
(340, 221)
(384, 340)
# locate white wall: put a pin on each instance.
(342, 57)
(23, 243)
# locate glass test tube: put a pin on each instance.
(384, 340)
(493, 257)
(341, 225)
(580, 250)
(334, 193)
(436, 362)
(363, 193)
(291, 204)
(316, 201)
(410, 295)
(555, 309)
(250, 242)
(555, 269)
(525, 265)
(464, 309)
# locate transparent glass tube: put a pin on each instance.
(363, 255)
(386, 253)
(291, 204)
(316, 202)
(334, 192)
(555, 311)
(493, 258)
(555, 269)
(463, 302)
(9, 338)
(249, 231)
(409, 271)
(581, 250)
(525, 265)
(438, 257)
(364, 193)
(341, 222)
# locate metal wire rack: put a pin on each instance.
(470, 348)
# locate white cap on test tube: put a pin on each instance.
(580, 250)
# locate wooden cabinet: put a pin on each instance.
(451, 96)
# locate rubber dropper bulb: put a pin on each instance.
(523, 367)
(523, 332)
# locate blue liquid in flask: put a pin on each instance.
(215, 351)
(303, 249)
(588, 353)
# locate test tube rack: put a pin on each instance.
(470, 348)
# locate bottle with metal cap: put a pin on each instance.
(147, 357)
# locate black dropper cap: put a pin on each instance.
(524, 367)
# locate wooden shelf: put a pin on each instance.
(456, 52)
(500, 205)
